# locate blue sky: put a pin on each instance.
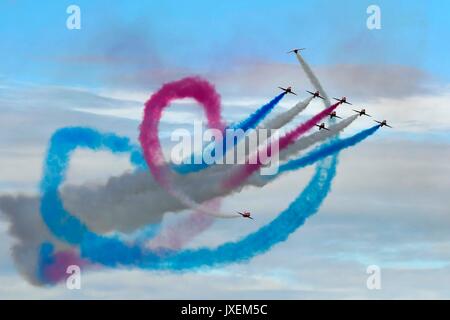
(38, 47)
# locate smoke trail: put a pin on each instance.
(273, 124)
(137, 193)
(135, 152)
(140, 196)
(103, 207)
(28, 230)
(60, 168)
(112, 252)
(126, 193)
(254, 163)
(302, 208)
(285, 117)
(62, 144)
(313, 79)
(249, 123)
(306, 204)
(256, 117)
(327, 150)
(328, 174)
(316, 137)
(126, 254)
(277, 122)
(204, 93)
(291, 136)
(181, 232)
(64, 225)
(52, 266)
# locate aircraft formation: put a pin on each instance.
(322, 126)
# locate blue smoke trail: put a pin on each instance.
(335, 146)
(111, 251)
(62, 144)
(251, 122)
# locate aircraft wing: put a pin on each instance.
(282, 88)
(348, 103)
(296, 50)
(310, 92)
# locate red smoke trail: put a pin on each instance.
(202, 92)
(254, 163)
(192, 87)
(56, 271)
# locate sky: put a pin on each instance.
(388, 205)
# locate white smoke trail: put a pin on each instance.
(282, 119)
(312, 77)
(28, 231)
(307, 141)
(127, 202)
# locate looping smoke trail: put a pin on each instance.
(202, 92)
(64, 223)
(254, 163)
(112, 252)
(62, 144)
